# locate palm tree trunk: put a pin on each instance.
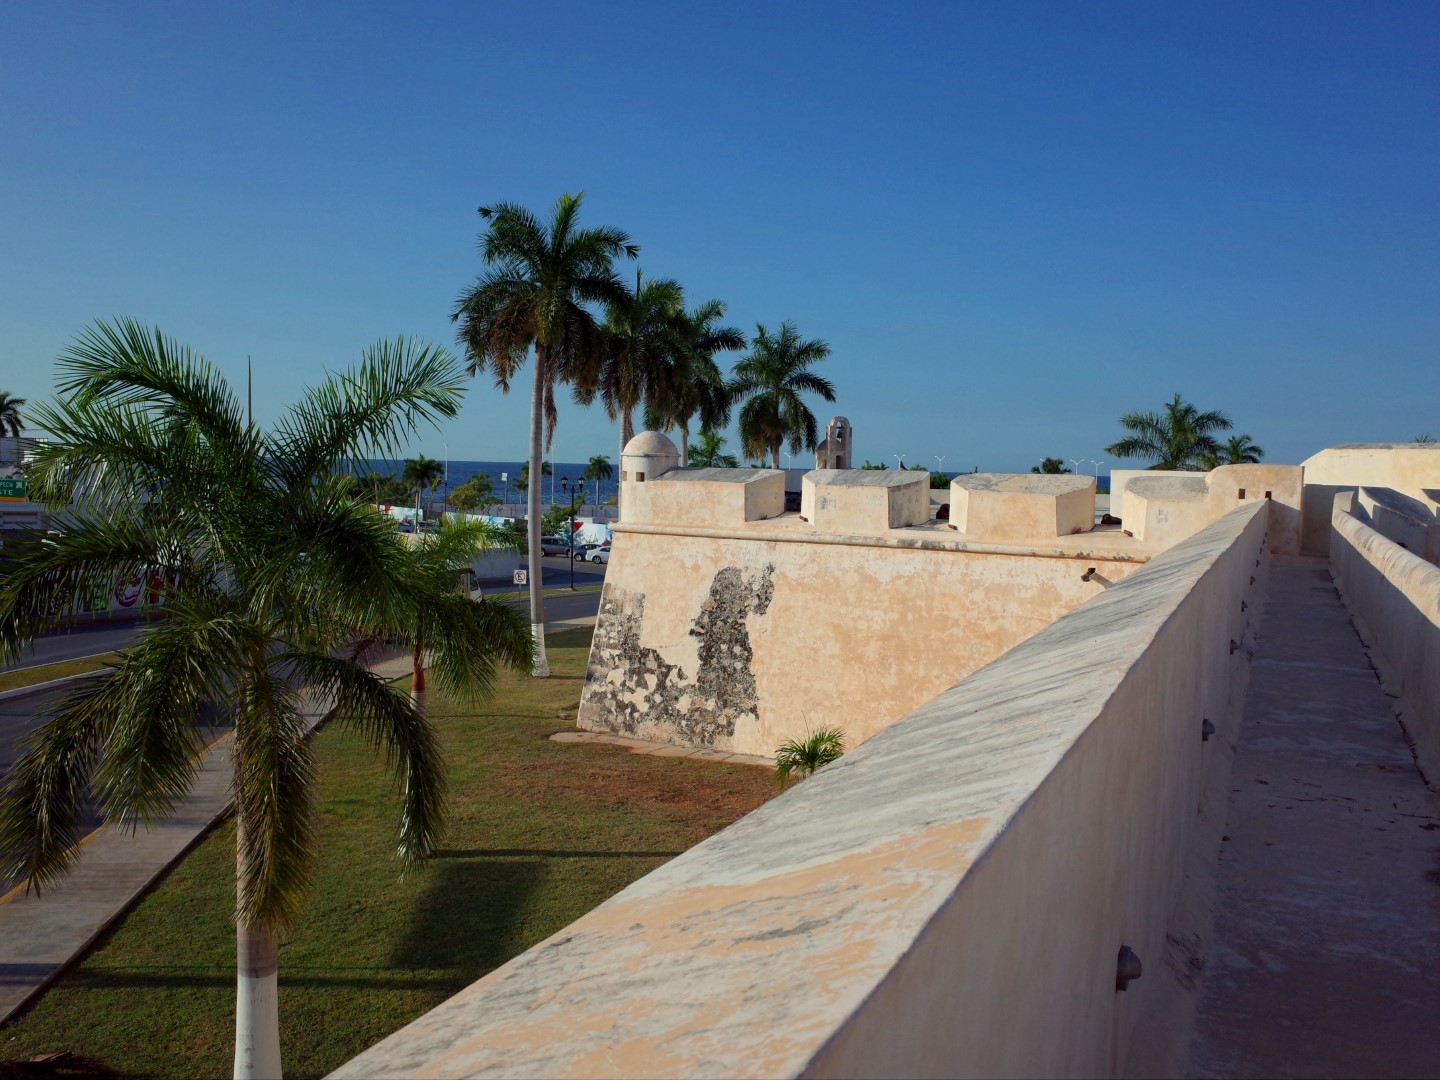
(627, 432)
(775, 454)
(417, 679)
(684, 444)
(532, 512)
(257, 1008)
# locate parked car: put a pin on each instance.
(592, 553)
(554, 545)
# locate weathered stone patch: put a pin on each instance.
(628, 685)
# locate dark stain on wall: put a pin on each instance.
(651, 691)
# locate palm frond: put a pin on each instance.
(372, 410)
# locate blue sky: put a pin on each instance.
(1011, 222)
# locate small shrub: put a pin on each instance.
(803, 756)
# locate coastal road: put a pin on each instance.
(74, 643)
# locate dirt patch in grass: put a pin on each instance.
(540, 832)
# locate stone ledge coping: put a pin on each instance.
(661, 749)
(866, 478)
(1051, 484)
(1108, 543)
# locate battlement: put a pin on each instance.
(864, 500)
(706, 498)
(1017, 508)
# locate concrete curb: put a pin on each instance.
(49, 684)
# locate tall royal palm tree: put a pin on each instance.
(690, 384)
(640, 329)
(771, 380)
(599, 469)
(273, 578)
(1179, 438)
(709, 452)
(11, 420)
(533, 295)
(422, 475)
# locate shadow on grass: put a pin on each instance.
(467, 918)
(541, 853)
(291, 974)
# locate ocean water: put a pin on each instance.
(461, 471)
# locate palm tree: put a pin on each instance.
(691, 384)
(1050, 465)
(273, 579)
(709, 453)
(599, 469)
(422, 474)
(11, 420)
(774, 376)
(1180, 438)
(444, 558)
(1241, 450)
(641, 329)
(534, 293)
(804, 756)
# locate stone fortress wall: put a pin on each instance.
(948, 898)
(729, 623)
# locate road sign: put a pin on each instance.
(521, 578)
(12, 490)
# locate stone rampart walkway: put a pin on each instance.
(1325, 957)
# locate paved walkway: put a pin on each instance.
(1325, 958)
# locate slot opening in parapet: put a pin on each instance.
(1240, 493)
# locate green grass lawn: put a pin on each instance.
(33, 676)
(540, 832)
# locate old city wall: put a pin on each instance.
(741, 640)
(948, 899)
(1393, 596)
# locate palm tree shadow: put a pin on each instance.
(470, 914)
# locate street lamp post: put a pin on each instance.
(1076, 462)
(939, 464)
(570, 550)
(899, 461)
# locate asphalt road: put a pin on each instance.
(74, 643)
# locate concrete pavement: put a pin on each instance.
(1325, 959)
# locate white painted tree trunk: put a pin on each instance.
(257, 1009)
(532, 513)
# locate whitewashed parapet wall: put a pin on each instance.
(949, 899)
(1393, 596)
(1411, 469)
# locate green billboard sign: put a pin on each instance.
(12, 490)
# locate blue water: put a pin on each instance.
(461, 471)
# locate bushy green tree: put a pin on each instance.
(474, 494)
(1050, 466)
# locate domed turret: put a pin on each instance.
(646, 456)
